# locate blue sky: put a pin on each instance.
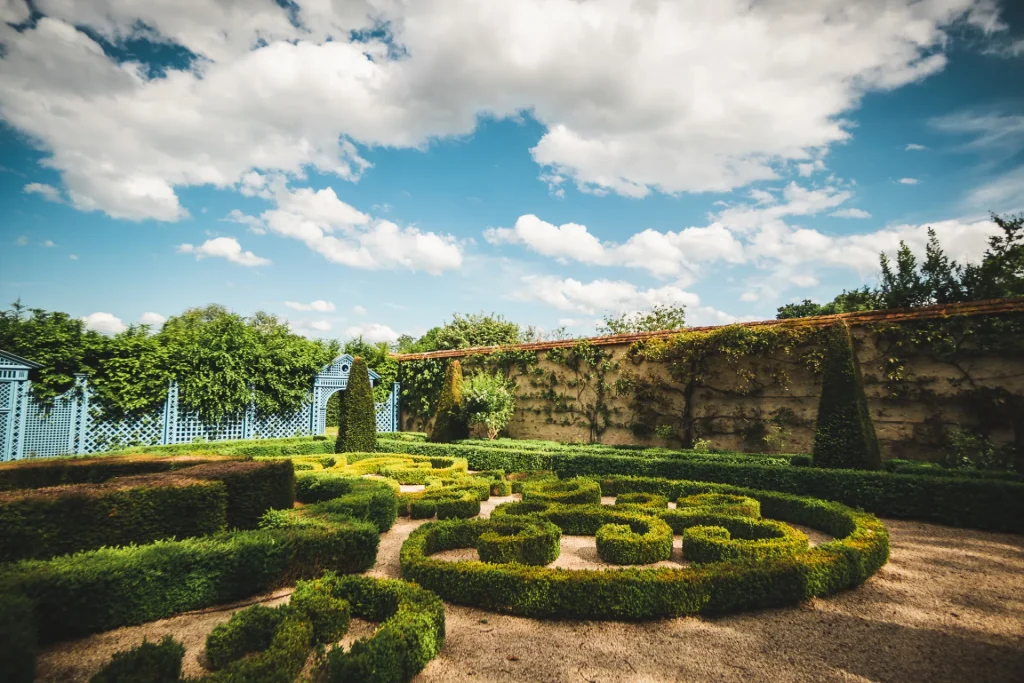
(374, 167)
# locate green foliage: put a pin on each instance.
(41, 523)
(249, 630)
(357, 427)
(732, 361)
(468, 331)
(449, 422)
(736, 506)
(146, 663)
(743, 538)
(845, 434)
(860, 549)
(577, 491)
(489, 400)
(222, 361)
(643, 540)
(657, 318)
(253, 448)
(17, 638)
(526, 541)
(938, 280)
(378, 358)
(641, 501)
(578, 396)
(372, 501)
(43, 472)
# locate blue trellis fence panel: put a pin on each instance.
(72, 426)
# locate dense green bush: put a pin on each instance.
(17, 638)
(296, 445)
(369, 500)
(761, 539)
(641, 541)
(248, 630)
(357, 428)
(642, 501)
(526, 541)
(578, 491)
(41, 523)
(844, 436)
(147, 663)
(253, 487)
(449, 422)
(860, 549)
(739, 506)
(314, 488)
(43, 472)
(458, 506)
(976, 503)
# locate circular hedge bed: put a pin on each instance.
(741, 562)
(273, 644)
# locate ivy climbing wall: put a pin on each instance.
(931, 375)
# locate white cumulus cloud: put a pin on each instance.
(225, 248)
(373, 333)
(907, 181)
(850, 213)
(151, 318)
(47, 192)
(319, 305)
(104, 323)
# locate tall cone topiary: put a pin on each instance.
(845, 434)
(357, 428)
(339, 441)
(449, 422)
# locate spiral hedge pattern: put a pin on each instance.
(774, 568)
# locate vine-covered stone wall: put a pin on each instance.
(930, 378)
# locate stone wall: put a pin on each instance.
(911, 416)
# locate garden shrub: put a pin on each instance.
(295, 445)
(253, 487)
(740, 506)
(369, 500)
(861, 547)
(489, 400)
(339, 439)
(458, 506)
(449, 422)
(519, 479)
(642, 541)
(845, 434)
(403, 436)
(44, 472)
(357, 430)
(248, 630)
(146, 663)
(41, 523)
(642, 501)
(762, 539)
(577, 491)
(975, 503)
(526, 541)
(314, 488)
(17, 638)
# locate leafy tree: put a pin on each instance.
(357, 429)
(338, 406)
(130, 373)
(60, 343)
(489, 400)
(938, 280)
(844, 436)
(449, 423)
(653, 319)
(463, 332)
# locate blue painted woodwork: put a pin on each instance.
(70, 426)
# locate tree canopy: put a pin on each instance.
(652, 319)
(939, 279)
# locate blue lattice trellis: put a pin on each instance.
(72, 426)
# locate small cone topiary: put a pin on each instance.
(845, 434)
(357, 426)
(449, 422)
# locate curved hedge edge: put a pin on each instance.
(411, 633)
(644, 541)
(526, 541)
(576, 491)
(860, 549)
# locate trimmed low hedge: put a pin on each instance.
(642, 541)
(861, 547)
(374, 501)
(17, 638)
(44, 472)
(41, 523)
(740, 506)
(974, 503)
(297, 445)
(526, 541)
(642, 501)
(756, 540)
(577, 491)
(253, 487)
(148, 663)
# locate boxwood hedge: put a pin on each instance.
(860, 548)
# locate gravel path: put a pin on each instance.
(949, 606)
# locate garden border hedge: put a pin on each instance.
(860, 549)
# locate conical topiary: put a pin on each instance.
(357, 428)
(339, 441)
(845, 434)
(449, 422)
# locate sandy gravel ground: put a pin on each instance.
(949, 606)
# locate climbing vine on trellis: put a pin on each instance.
(578, 391)
(700, 364)
(958, 342)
